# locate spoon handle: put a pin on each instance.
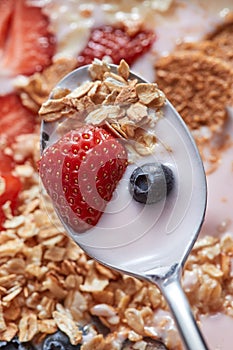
(179, 305)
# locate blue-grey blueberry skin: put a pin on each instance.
(15, 344)
(151, 182)
(58, 341)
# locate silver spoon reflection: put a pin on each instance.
(157, 245)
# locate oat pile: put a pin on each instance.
(218, 43)
(198, 78)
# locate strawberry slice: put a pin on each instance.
(15, 119)
(29, 46)
(12, 187)
(117, 44)
(6, 10)
(80, 173)
(7, 163)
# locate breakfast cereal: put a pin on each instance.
(46, 281)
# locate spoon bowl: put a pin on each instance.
(150, 242)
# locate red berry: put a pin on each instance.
(116, 43)
(15, 119)
(6, 10)
(12, 188)
(80, 173)
(25, 39)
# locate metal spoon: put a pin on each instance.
(169, 237)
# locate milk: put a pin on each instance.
(137, 238)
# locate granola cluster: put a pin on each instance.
(130, 109)
(197, 78)
(218, 43)
(36, 89)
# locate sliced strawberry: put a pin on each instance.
(12, 187)
(7, 163)
(80, 173)
(117, 44)
(15, 119)
(6, 10)
(29, 45)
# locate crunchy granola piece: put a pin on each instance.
(94, 283)
(212, 270)
(116, 128)
(9, 333)
(128, 128)
(12, 293)
(47, 326)
(77, 304)
(52, 109)
(111, 98)
(37, 88)
(137, 112)
(52, 284)
(104, 310)
(68, 326)
(59, 92)
(134, 336)
(92, 92)
(107, 272)
(114, 81)
(127, 95)
(47, 306)
(227, 244)
(55, 253)
(11, 248)
(149, 94)
(104, 297)
(123, 69)
(145, 142)
(97, 343)
(2, 320)
(106, 112)
(81, 90)
(79, 105)
(97, 69)
(101, 95)
(69, 106)
(27, 327)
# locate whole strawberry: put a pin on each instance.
(80, 173)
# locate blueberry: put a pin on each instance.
(58, 341)
(151, 344)
(151, 182)
(15, 344)
(2, 344)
